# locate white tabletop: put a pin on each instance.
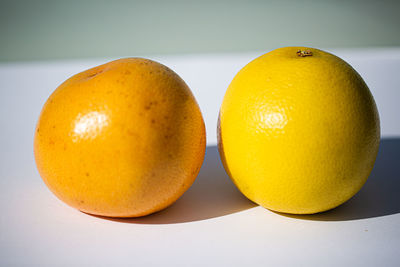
(212, 224)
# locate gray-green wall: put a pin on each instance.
(46, 30)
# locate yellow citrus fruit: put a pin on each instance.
(123, 139)
(298, 131)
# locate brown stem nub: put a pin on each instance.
(304, 53)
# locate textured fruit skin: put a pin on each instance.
(123, 139)
(298, 134)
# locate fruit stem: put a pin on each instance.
(304, 53)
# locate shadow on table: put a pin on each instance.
(380, 195)
(212, 195)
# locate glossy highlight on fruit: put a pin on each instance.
(123, 139)
(298, 131)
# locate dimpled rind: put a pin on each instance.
(123, 139)
(298, 133)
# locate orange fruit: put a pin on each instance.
(123, 139)
(299, 130)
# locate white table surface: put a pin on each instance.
(212, 224)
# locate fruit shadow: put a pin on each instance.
(380, 196)
(212, 195)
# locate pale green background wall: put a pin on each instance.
(43, 30)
